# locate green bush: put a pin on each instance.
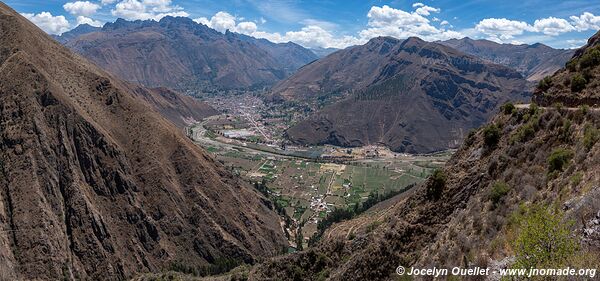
(590, 58)
(545, 83)
(524, 133)
(544, 239)
(558, 159)
(436, 184)
(508, 108)
(499, 190)
(590, 136)
(572, 65)
(491, 135)
(578, 83)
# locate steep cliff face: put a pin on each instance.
(96, 185)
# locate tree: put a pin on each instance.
(544, 239)
(558, 159)
(491, 135)
(578, 83)
(436, 184)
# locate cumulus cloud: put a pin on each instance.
(49, 23)
(426, 10)
(387, 21)
(552, 26)
(502, 29)
(86, 20)
(585, 22)
(223, 21)
(81, 8)
(147, 9)
(108, 2)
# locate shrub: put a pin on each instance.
(576, 178)
(572, 65)
(590, 136)
(524, 133)
(436, 184)
(545, 83)
(499, 190)
(544, 239)
(578, 83)
(508, 108)
(558, 159)
(590, 58)
(491, 135)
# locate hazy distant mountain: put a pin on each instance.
(534, 62)
(411, 95)
(75, 32)
(98, 186)
(323, 52)
(180, 53)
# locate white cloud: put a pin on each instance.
(585, 22)
(426, 10)
(49, 23)
(445, 22)
(107, 2)
(147, 9)
(386, 21)
(81, 8)
(576, 43)
(552, 26)
(416, 5)
(86, 20)
(223, 21)
(502, 29)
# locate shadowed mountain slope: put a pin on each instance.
(411, 95)
(182, 54)
(94, 184)
(534, 62)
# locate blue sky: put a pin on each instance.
(341, 23)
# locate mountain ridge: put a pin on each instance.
(178, 53)
(97, 185)
(534, 61)
(411, 95)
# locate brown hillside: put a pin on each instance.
(411, 95)
(576, 84)
(96, 185)
(180, 109)
(539, 156)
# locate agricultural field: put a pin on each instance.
(306, 188)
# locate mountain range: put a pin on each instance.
(534, 61)
(96, 185)
(521, 192)
(411, 95)
(178, 53)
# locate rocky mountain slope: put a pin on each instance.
(180, 109)
(95, 185)
(577, 83)
(483, 208)
(182, 54)
(411, 95)
(534, 62)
